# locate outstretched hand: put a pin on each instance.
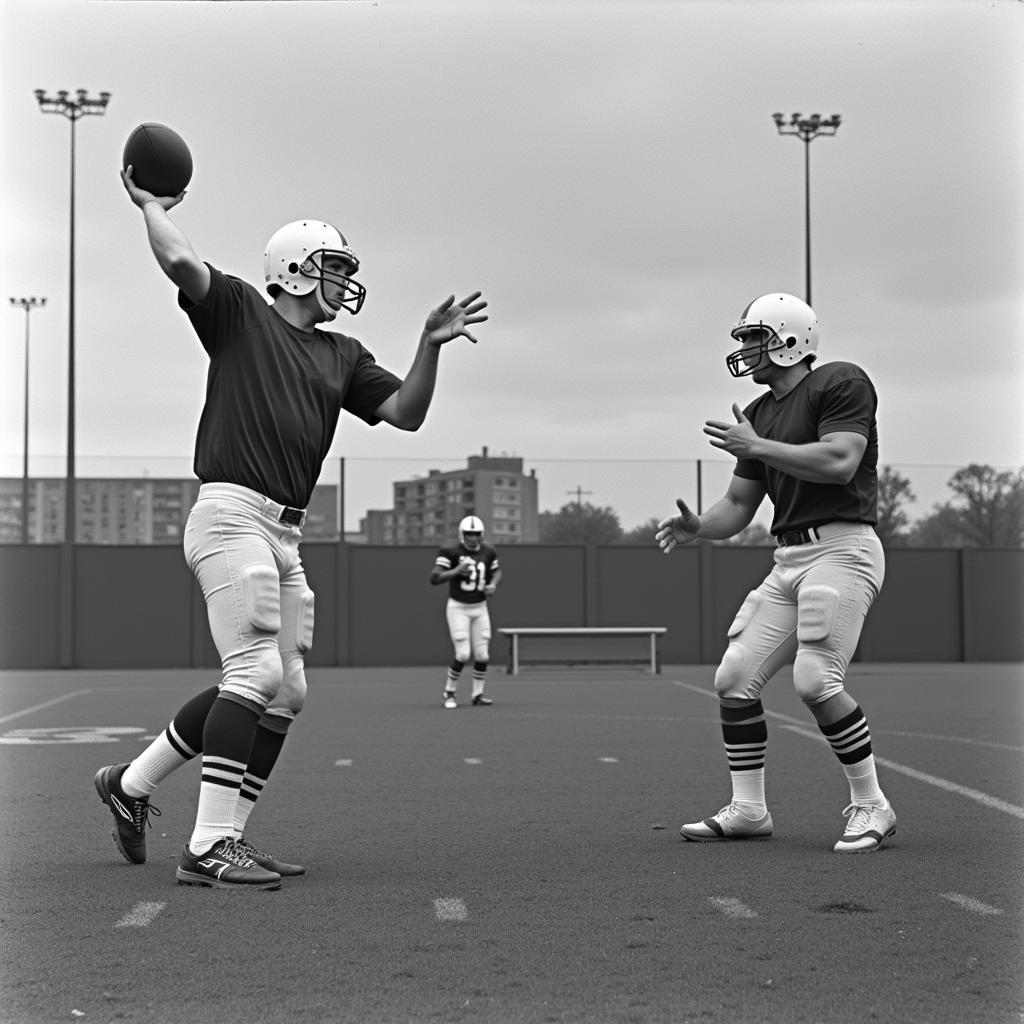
(680, 529)
(139, 196)
(736, 438)
(449, 321)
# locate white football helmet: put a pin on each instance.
(791, 333)
(471, 532)
(294, 262)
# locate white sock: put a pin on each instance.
(152, 766)
(218, 795)
(748, 792)
(863, 779)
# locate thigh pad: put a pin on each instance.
(816, 613)
(261, 588)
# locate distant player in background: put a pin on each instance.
(810, 443)
(275, 390)
(472, 573)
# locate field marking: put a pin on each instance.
(345, 762)
(451, 908)
(952, 739)
(473, 760)
(609, 760)
(973, 905)
(141, 915)
(731, 907)
(40, 707)
(797, 726)
(70, 734)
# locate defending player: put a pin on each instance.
(275, 390)
(810, 443)
(472, 573)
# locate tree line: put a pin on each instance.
(985, 510)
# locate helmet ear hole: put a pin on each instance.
(791, 342)
(293, 267)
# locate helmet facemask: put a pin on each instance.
(751, 358)
(352, 294)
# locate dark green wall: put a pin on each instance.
(138, 607)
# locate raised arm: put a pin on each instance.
(173, 251)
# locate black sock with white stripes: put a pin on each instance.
(452, 678)
(850, 739)
(745, 733)
(227, 743)
(266, 749)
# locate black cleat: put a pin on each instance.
(481, 701)
(269, 861)
(225, 865)
(131, 813)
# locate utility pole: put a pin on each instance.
(579, 492)
(28, 305)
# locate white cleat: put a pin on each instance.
(449, 701)
(729, 823)
(867, 828)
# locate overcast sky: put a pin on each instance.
(608, 173)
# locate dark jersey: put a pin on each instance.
(274, 393)
(468, 589)
(833, 397)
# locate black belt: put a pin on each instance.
(291, 516)
(793, 537)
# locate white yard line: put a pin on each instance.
(731, 907)
(141, 915)
(451, 908)
(40, 707)
(973, 905)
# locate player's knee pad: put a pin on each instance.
(460, 641)
(734, 678)
(255, 672)
(291, 697)
(817, 674)
(481, 651)
(304, 623)
(261, 588)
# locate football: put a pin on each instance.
(161, 162)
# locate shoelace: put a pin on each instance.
(859, 818)
(253, 851)
(233, 851)
(141, 810)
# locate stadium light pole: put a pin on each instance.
(73, 108)
(28, 305)
(807, 129)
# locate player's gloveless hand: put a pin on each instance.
(679, 529)
(139, 196)
(450, 320)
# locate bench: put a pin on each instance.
(515, 634)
